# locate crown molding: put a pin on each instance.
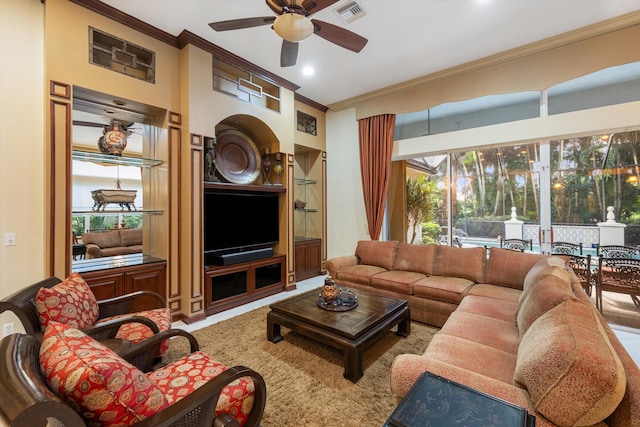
(310, 102)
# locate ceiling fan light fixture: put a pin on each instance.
(293, 27)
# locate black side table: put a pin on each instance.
(435, 401)
(78, 249)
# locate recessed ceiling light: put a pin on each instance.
(308, 70)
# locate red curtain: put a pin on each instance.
(376, 147)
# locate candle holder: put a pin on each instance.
(266, 167)
(277, 171)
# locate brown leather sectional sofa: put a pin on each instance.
(514, 325)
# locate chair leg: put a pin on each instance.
(225, 420)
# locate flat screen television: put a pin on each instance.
(237, 221)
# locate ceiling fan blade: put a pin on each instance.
(338, 35)
(89, 124)
(315, 6)
(289, 53)
(236, 24)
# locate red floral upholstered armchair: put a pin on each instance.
(72, 302)
(71, 380)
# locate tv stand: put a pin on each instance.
(243, 256)
(228, 286)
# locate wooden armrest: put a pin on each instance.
(123, 304)
(144, 354)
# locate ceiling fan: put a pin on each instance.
(293, 25)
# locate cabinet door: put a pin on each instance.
(301, 261)
(149, 278)
(103, 285)
(308, 259)
(314, 258)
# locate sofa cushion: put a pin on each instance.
(472, 356)
(106, 239)
(440, 288)
(569, 367)
(130, 236)
(489, 307)
(489, 331)
(418, 258)
(467, 263)
(396, 281)
(548, 288)
(360, 274)
(187, 374)
(375, 252)
(495, 292)
(509, 268)
(102, 386)
(70, 302)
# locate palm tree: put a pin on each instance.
(422, 202)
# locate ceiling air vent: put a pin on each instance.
(350, 12)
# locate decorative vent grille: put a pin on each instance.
(307, 123)
(245, 86)
(350, 12)
(121, 56)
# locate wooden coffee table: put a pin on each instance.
(352, 332)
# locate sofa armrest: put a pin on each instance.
(93, 251)
(406, 369)
(334, 265)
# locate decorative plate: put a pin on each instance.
(346, 300)
(237, 157)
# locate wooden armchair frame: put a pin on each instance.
(22, 304)
(27, 400)
(620, 275)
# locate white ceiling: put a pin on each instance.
(407, 38)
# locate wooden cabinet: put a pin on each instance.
(308, 258)
(229, 286)
(114, 276)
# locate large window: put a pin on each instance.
(568, 182)
(587, 175)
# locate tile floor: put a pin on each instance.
(629, 337)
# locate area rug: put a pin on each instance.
(305, 386)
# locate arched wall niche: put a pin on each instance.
(259, 132)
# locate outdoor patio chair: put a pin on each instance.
(617, 251)
(620, 275)
(566, 248)
(212, 395)
(581, 265)
(516, 244)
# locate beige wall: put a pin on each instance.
(346, 218)
(21, 144)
